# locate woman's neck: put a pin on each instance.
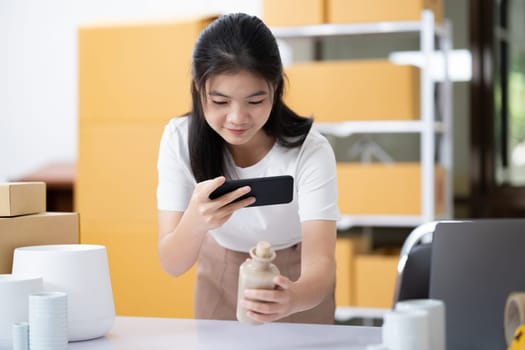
(252, 152)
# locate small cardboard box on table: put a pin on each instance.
(21, 198)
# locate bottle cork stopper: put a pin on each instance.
(263, 249)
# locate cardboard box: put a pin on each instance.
(123, 196)
(136, 71)
(375, 279)
(354, 90)
(385, 189)
(280, 13)
(347, 247)
(21, 198)
(356, 11)
(37, 229)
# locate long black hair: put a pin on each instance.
(233, 43)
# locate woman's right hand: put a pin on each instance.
(182, 233)
(207, 214)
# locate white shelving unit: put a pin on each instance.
(428, 126)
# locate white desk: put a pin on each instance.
(130, 333)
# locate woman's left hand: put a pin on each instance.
(267, 305)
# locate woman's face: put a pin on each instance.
(237, 105)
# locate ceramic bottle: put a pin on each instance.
(256, 272)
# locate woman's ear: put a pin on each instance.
(198, 91)
(272, 87)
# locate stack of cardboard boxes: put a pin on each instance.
(361, 90)
(133, 78)
(25, 222)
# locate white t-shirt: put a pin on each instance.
(312, 165)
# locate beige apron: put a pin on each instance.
(218, 278)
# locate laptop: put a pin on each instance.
(475, 265)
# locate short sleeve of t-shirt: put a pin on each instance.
(175, 179)
(317, 180)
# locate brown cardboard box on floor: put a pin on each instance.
(375, 279)
(37, 229)
(21, 198)
(346, 249)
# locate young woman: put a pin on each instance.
(239, 127)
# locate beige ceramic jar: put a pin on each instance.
(256, 273)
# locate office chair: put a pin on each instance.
(413, 268)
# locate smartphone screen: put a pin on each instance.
(266, 190)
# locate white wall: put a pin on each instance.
(38, 69)
(3, 91)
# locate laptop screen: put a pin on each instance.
(475, 265)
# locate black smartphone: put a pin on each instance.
(266, 190)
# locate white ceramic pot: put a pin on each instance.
(81, 271)
(14, 293)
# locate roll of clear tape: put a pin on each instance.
(514, 314)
